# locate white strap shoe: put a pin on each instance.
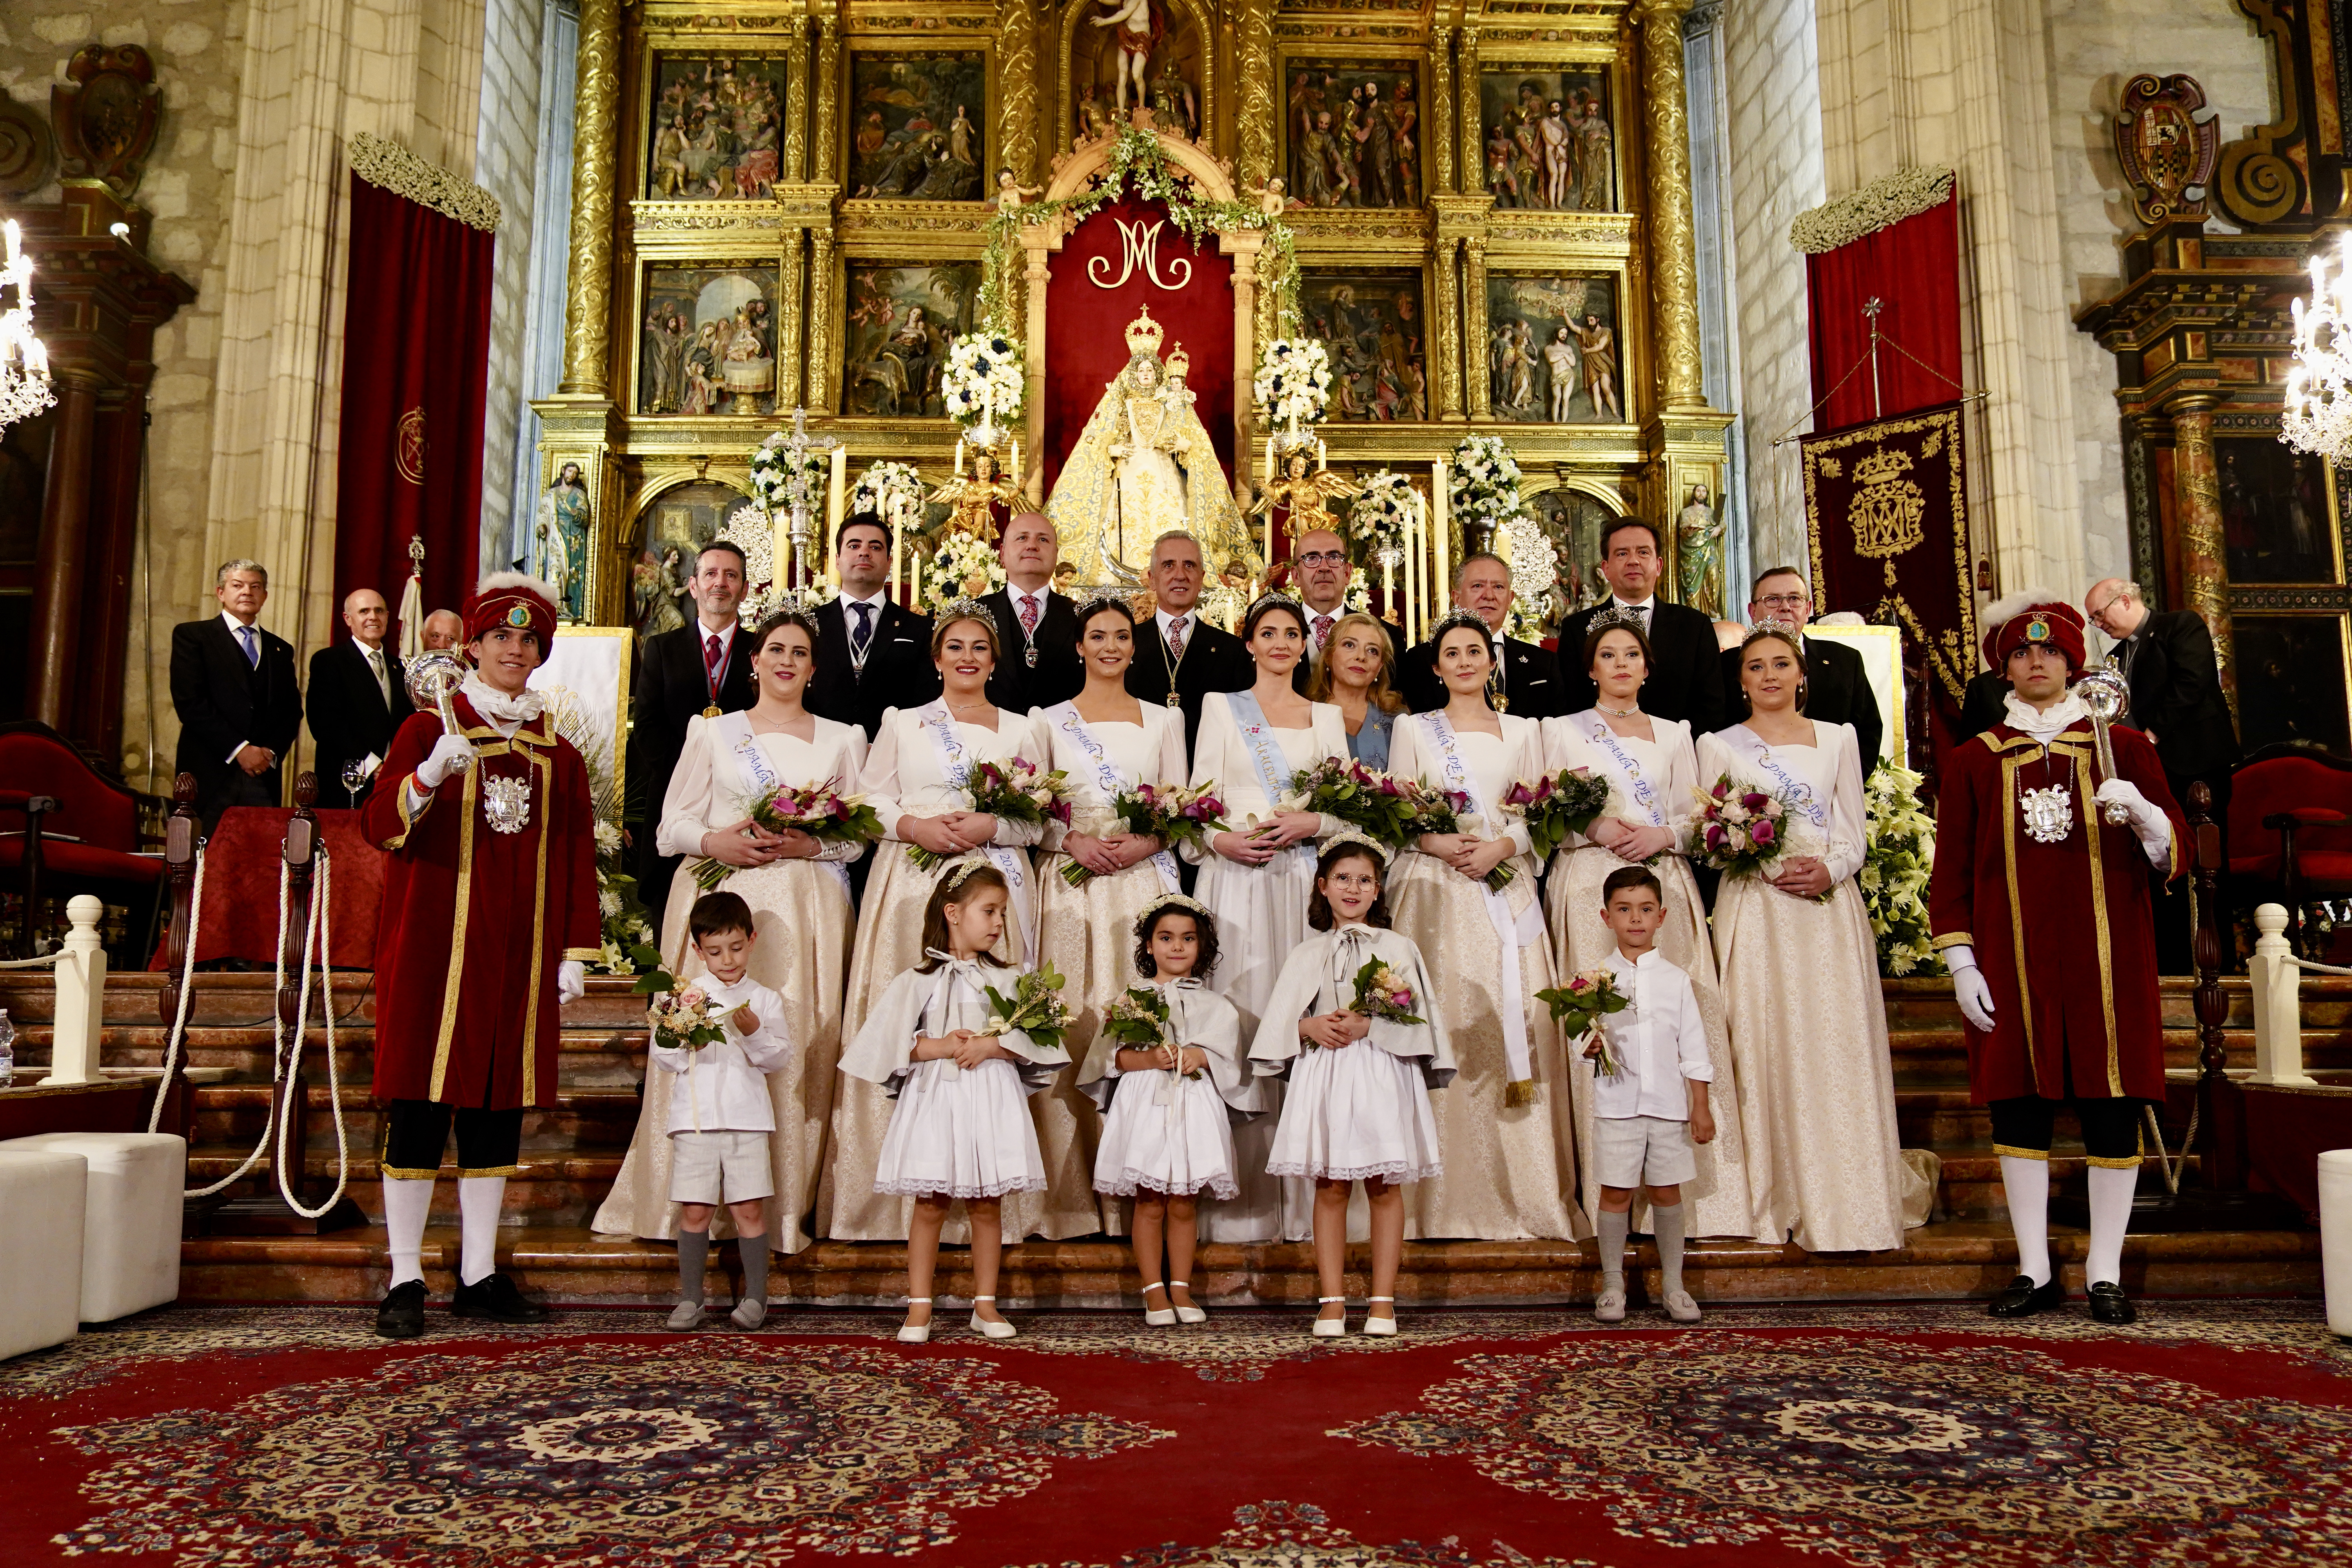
(1160, 1317)
(991, 1328)
(915, 1333)
(1382, 1327)
(1331, 1328)
(1185, 1314)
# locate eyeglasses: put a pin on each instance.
(1323, 558)
(1783, 601)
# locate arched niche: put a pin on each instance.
(1076, 20)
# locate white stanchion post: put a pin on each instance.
(2336, 1237)
(81, 996)
(2277, 983)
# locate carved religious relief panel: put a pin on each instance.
(1553, 353)
(714, 126)
(1550, 141)
(707, 340)
(1373, 328)
(918, 124)
(901, 319)
(1353, 132)
(1125, 53)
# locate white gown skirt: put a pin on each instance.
(1166, 1134)
(962, 1131)
(1353, 1114)
(1261, 915)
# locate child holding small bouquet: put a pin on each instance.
(961, 1060)
(1351, 1024)
(1163, 1067)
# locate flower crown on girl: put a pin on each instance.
(1162, 905)
(960, 868)
(1353, 837)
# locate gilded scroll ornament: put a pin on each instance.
(1016, 85)
(588, 302)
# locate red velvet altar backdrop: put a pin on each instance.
(1086, 343)
(1913, 270)
(417, 358)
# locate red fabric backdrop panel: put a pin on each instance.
(239, 918)
(1912, 269)
(416, 360)
(1095, 293)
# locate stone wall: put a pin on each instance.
(198, 48)
(506, 159)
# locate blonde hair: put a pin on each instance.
(1383, 695)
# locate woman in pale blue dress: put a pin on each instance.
(1352, 675)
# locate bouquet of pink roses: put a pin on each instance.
(1740, 829)
(1436, 810)
(1175, 814)
(1381, 993)
(686, 1020)
(1376, 803)
(1016, 791)
(820, 810)
(1582, 1004)
(1555, 805)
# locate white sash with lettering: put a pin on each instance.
(956, 764)
(1510, 926)
(1109, 778)
(733, 732)
(1273, 768)
(1638, 787)
(1798, 792)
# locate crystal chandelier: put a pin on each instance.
(24, 388)
(2318, 415)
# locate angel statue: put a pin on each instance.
(1304, 496)
(971, 502)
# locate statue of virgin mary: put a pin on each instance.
(1143, 465)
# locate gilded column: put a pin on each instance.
(2197, 498)
(1473, 323)
(588, 305)
(824, 380)
(1446, 286)
(1440, 93)
(827, 132)
(1466, 107)
(1017, 87)
(788, 323)
(1674, 242)
(1253, 111)
(796, 70)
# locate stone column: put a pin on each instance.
(1674, 243)
(2197, 501)
(63, 552)
(588, 309)
(1439, 176)
(1466, 88)
(1254, 105)
(828, 93)
(1473, 324)
(796, 97)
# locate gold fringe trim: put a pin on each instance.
(2127, 1163)
(2013, 1153)
(1520, 1093)
(392, 167)
(1881, 204)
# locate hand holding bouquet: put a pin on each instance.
(1138, 1020)
(686, 1020)
(1173, 814)
(1436, 810)
(1581, 1004)
(1383, 994)
(1016, 791)
(822, 812)
(1742, 831)
(1035, 1010)
(1555, 805)
(1376, 803)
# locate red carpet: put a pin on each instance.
(1896, 1437)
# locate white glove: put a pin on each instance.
(1975, 997)
(450, 755)
(571, 981)
(2148, 823)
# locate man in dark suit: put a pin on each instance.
(2175, 683)
(1525, 680)
(871, 654)
(357, 697)
(684, 671)
(1837, 688)
(234, 687)
(1176, 650)
(1685, 678)
(1040, 627)
(1320, 558)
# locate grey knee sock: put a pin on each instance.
(1667, 1226)
(1612, 1249)
(754, 1251)
(693, 1259)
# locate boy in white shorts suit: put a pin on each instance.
(1646, 1115)
(720, 1118)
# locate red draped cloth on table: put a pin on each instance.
(239, 917)
(1885, 483)
(1110, 267)
(416, 356)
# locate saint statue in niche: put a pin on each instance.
(560, 541)
(1139, 32)
(1699, 533)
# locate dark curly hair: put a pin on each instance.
(1318, 908)
(1206, 924)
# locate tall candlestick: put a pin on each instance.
(1442, 528)
(891, 520)
(836, 507)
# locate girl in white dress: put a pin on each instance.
(1358, 1106)
(1258, 876)
(960, 1128)
(1652, 771)
(914, 780)
(1801, 977)
(798, 889)
(1107, 743)
(1506, 1122)
(1167, 1139)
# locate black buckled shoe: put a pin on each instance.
(2024, 1298)
(401, 1314)
(2110, 1305)
(494, 1296)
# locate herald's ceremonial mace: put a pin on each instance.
(431, 678)
(2107, 699)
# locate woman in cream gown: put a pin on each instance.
(914, 779)
(1255, 878)
(799, 894)
(1107, 743)
(1652, 771)
(1503, 1123)
(1800, 976)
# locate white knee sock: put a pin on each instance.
(407, 1202)
(2112, 1190)
(2026, 1185)
(478, 1199)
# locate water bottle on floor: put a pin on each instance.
(7, 1049)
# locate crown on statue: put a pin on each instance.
(1144, 334)
(1180, 363)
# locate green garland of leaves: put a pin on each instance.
(1137, 158)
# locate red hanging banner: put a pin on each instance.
(1913, 270)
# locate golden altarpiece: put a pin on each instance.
(788, 206)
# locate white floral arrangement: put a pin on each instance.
(983, 382)
(1482, 481)
(887, 490)
(771, 475)
(961, 568)
(1293, 384)
(1358, 598)
(1383, 509)
(1894, 876)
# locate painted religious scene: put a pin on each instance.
(899, 323)
(918, 124)
(1549, 146)
(1126, 53)
(1372, 326)
(1353, 133)
(2278, 524)
(676, 523)
(708, 341)
(1553, 355)
(715, 126)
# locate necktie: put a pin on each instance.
(252, 649)
(1028, 615)
(863, 633)
(1176, 636)
(1322, 631)
(375, 668)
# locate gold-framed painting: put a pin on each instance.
(1374, 331)
(1354, 131)
(2279, 522)
(918, 124)
(1555, 348)
(1547, 137)
(706, 338)
(714, 124)
(901, 317)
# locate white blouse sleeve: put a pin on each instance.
(1849, 832)
(848, 763)
(691, 794)
(1055, 832)
(1405, 746)
(1681, 779)
(1173, 769)
(879, 774)
(1208, 765)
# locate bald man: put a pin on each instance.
(444, 630)
(358, 696)
(1040, 627)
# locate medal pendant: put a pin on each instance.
(2049, 814)
(1172, 699)
(1502, 703)
(505, 803)
(711, 711)
(1030, 656)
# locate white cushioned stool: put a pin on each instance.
(40, 1247)
(130, 1224)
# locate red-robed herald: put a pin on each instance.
(475, 921)
(2063, 932)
